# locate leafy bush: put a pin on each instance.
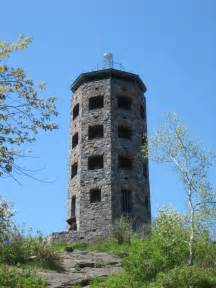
(164, 250)
(29, 250)
(16, 248)
(160, 260)
(188, 277)
(145, 260)
(204, 252)
(111, 246)
(19, 278)
(170, 234)
(122, 230)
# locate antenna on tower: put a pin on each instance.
(108, 60)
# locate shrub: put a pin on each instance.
(188, 277)
(145, 260)
(43, 253)
(170, 233)
(29, 250)
(14, 252)
(16, 248)
(164, 250)
(160, 260)
(204, 252)
(122, 230)
(14, 277)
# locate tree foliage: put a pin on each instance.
(172, 144)
(6, 223)
(170, 233)
(23, 110)
(191, 277)
(163, 250)
(160, 260)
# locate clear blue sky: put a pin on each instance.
(171, 44)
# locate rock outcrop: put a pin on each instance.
(80, 267)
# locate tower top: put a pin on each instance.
(106, 74)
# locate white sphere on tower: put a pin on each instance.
(108, 60)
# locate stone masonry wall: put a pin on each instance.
(96, 216)
(95, 219)
(134, 179)
(75, 155)
(92, 217)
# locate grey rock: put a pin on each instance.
(81, 267)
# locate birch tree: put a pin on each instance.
(172, 144)
(6, 223)
(23, 109)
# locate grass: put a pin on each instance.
(155, 262)
(61, 247)
(109, 245)
(13, 276)
(22, 257)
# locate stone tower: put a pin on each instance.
(108, 177)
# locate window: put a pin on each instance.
(95, 131)
(124, 163)
(124, 132)
(72, 220)
(142, 112)
(75, 140)
(124, 102)
(95, 162)
(95, 195)
(74, 170)
(96, 102)
(73, 206)
(75, 111)
(126, 201)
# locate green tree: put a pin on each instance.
(23, 111)
(170, 234)
(172, 144)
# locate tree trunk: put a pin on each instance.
(192, 228)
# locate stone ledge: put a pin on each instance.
(75, 236)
